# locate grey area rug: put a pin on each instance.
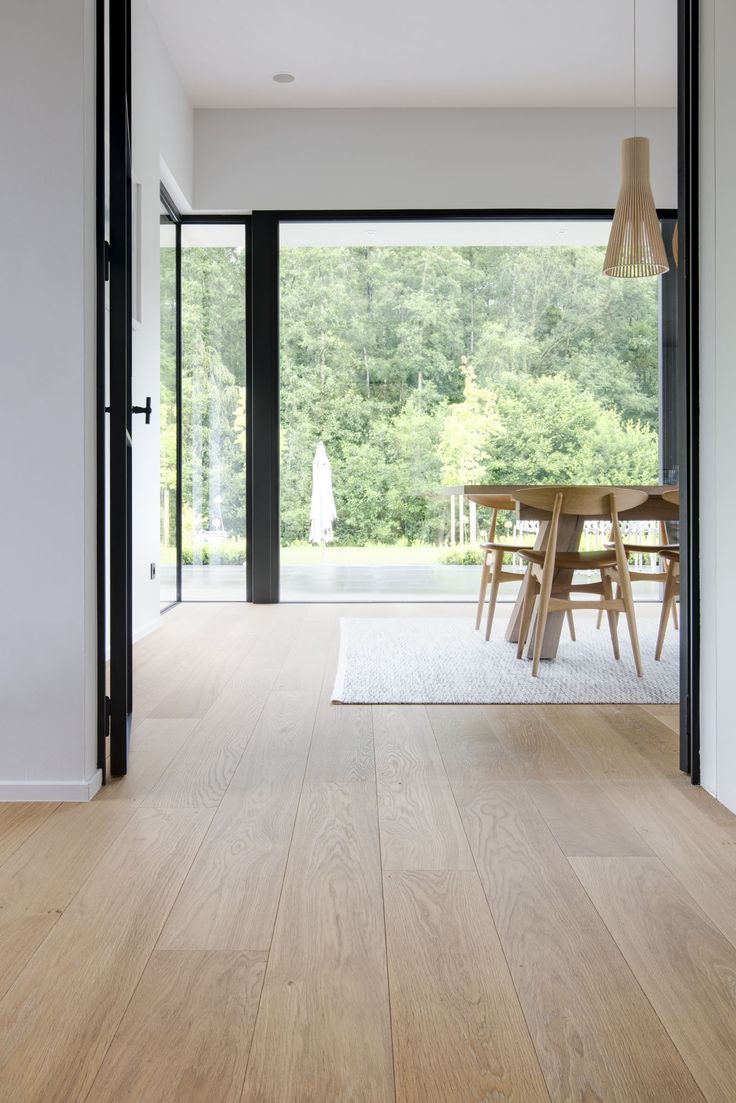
(404, 660)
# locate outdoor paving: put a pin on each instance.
(328, 582)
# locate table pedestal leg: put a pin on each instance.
(568, 539)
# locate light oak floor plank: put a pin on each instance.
(483, 745)
(323, 1027)
(187, 1031)
(39, 880)
(197, 685)
(667, 714)
(166, 660)
(420, 825)
(589, 735)
(459, 1032)
(692, 837)
(229, 899)
(533, 748)
(60, 1015)
(596, 1035)
(686, 967)
(153, 747)
(654, 740)
(472, 753)
(18, 821)
(584, 821)
(204, 769)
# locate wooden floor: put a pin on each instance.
(286, 900)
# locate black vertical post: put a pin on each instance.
(179, 463)
(121, 675)
(669, 428)
(101, 374)
(688, 373)
(263, 409)
(248, 408)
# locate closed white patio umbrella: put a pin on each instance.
(323, 511)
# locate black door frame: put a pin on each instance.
(120, 378)
(681, 297)
(262, 377)
(101, 265)
(688, 361)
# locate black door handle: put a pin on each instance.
(147, 409)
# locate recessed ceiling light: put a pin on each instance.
(284, 78)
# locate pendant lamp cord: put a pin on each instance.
(635, 68)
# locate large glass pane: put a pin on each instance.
(167, 412)
(419, 356)
(213, 412)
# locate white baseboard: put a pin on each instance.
(51, 790)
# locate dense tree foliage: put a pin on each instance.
(419, 367)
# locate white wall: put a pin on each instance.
(47, 429)
(718, 396)
(337, 159)
(162, 143)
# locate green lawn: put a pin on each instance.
(309, 555)
(372, 555)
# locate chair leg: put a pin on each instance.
(530, 593)
(482, 595)
(627, 596)
(599, 619)
(612, 618)
(668, 601)
(544, 598)
(571, 625)
(495, 583)
(675, 618)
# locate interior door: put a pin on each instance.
(120, 371)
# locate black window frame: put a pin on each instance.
(174, 217)
(266, 234)
(181, 219)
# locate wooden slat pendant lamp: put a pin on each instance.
(635, 247)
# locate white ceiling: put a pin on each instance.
(421, 53)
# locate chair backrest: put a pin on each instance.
(672, 496)
(589, 501)
(494, 502)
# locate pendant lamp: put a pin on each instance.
(635, 247)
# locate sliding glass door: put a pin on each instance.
(169, 589)
(213, 371)
(202, 408)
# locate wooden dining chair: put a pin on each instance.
(671, 556)
(542, 594)
(665, 544)
(492, 572)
